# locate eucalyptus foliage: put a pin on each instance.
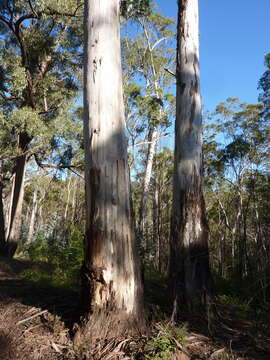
(40, 56)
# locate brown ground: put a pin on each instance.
(36, 323)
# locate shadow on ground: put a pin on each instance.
(229, 333)
(60, 301)
(233, 335)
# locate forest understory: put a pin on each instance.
(37, 322)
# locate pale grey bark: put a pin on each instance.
(73, 202)
(189, 241)
(111, 270)
(10, 201)
(156, 225)
(2, 220)
(68, 197)
(153, 135)
(31, 228)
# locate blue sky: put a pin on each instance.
(234, 38)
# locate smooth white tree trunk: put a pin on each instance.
(31, 228)
(112, 281)
(68, 197)
(73, 202)
(153, 135)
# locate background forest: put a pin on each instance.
(42, 199)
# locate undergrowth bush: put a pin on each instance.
(234, 302)
(247, 292)
(61, 260)
(162, 344)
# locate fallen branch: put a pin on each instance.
(56, 348)
(31, 328)
(31, 317)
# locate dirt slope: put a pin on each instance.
(36, 323)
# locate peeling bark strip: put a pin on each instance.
(111, 276)
(189, 264)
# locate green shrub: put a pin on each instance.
(63, 259)
(234, 302)
(161, 345)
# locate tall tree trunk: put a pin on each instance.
(156, 226)
(68, 197)
(152, 138)
(10, 201)
(14, 230)
(111, 276)
(73, 203)
(2, 216)
(32, 219)
(189, 262)
(2, 221)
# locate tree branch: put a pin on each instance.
(25, 17)
(59, 167)
(170, 72)
(31, 7)
(157, 42)
(58, 13)
(141, 143)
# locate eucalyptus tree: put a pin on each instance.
(38, 65)
(189, 264)
(112, 289)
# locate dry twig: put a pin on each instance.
(31, 317)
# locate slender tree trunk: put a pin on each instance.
(189, 263)
(10, 201)
(2, 216)
(15, 221)
(152, 138)
(112, 289)
(2, 221)
(156, 226)
(68, 197)
(27, 215)
(32, 219)
(236, 235)
(73, 203)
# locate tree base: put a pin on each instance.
(103, 325)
